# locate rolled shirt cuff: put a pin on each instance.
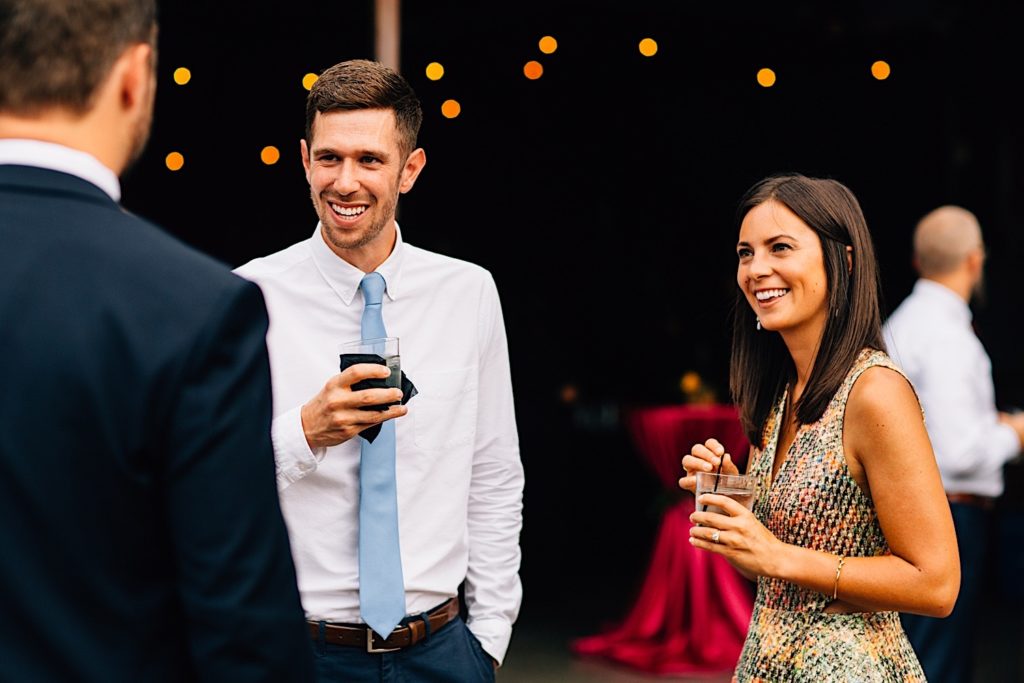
(494, 636)
(292, 453)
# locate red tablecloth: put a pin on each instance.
(693, 608)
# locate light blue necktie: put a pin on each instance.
(381, 588)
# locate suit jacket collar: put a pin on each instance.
(46, 182)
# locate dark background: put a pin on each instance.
(601, 196)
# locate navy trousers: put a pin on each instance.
(945, 647)
(450, 655)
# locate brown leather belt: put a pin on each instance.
(356, 635)
(985, 502)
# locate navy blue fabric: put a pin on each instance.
(142, 534)
(945, 647)
(449, 655)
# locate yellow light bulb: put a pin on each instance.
(435, 71)
(270, 155)
(881, 70)
(547, 45)
(766, 78)
(174, 161)
(450, 109)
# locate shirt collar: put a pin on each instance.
(344, 278)
(54, 157)
(945, 297)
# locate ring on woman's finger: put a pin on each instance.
(714, 537)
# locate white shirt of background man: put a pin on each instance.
(930, 336)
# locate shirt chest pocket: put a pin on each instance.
(445, 408)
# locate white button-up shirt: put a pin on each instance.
(930, 336)
(459, 474)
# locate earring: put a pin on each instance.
(758, 323)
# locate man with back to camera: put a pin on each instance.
(384, 602)
(931, 337)
(142, 535)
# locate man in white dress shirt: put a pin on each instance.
(459, 474)
(931, 338)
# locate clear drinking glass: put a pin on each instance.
(375, 350)
(740, 487)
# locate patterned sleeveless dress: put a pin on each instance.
(815, 503)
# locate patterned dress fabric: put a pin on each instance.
(815, 503)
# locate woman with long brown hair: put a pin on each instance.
(850, 525)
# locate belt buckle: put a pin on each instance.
(370, 633)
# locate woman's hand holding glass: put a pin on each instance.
(737, 535)
(705, 457)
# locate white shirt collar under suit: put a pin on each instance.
(60, 158)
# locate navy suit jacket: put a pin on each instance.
(141, 537)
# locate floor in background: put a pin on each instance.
(540, 654)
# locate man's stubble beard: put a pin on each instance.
(374, 231)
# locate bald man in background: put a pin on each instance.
(931, 337)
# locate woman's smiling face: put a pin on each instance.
(781, 270)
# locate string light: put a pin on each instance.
(435, 71)
(270, 155)
(174, 161)
(547, 45)
(766, 77)
(451, 109)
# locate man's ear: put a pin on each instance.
(305, 157)
(413, 165)
(134, 76)
(976, 262)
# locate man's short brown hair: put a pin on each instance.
(365, 84)
(56, 53)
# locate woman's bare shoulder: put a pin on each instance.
(882, 405)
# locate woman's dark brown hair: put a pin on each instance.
(761, 366)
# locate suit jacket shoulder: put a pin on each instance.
(138, 490)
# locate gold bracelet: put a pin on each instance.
(839, 568)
